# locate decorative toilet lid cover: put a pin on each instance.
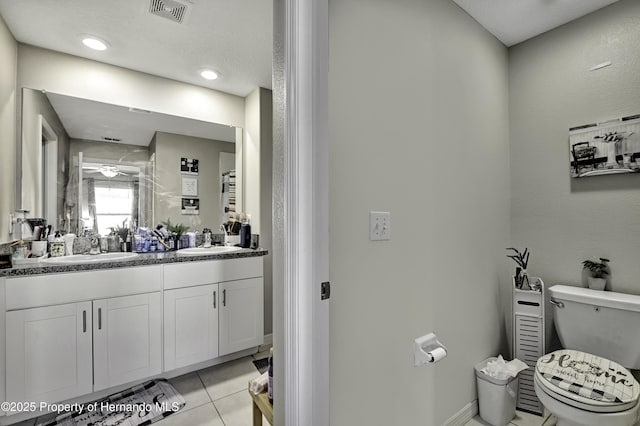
(588, 376)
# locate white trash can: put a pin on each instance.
(496, 397)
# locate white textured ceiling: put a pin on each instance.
(514, 21)
(90, 120)
(231, 37)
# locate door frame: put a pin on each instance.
(48, 170)
(306, 211)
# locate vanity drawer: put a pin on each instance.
(188, 274)
(68, 287)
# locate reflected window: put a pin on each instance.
(113, 206)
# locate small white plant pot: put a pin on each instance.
(596, 283)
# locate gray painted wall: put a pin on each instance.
(108, 151)
(73, 76)
(425, 138)
(8, 76)
(562, 220)
(266, 215)
(35, 103)
(169, 148)
(257, 157)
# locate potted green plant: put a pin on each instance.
(176, 228)
(597, 268)
(123, 233)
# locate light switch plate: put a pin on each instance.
(379, 226)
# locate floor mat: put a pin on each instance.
(261, 364)
(140, 405)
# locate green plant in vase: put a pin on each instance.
(178, 229)
(123, 233)
(522, 260)
(598, 269)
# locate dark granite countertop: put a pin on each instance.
(141, 260)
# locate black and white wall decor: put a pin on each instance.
(611, 147)
(190, 205)
(189, 166)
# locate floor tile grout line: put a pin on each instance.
(215, 407)
(231, 394)
(204, 386)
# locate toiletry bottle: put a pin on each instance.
(245, 232)
(270, 381)
(57, 247)
(206, 232)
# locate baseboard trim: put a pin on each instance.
(267, 343)
(463, 416)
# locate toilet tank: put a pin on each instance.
(603, 323)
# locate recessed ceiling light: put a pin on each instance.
(94, 43)
(209, 75)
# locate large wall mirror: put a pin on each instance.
(88, 166)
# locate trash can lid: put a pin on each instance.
(587, 378)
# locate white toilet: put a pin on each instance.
(587, 383)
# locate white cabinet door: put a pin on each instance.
(127, 333)
(190, 325)
(49, 353)
(241, 315)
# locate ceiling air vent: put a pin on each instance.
(169, 9)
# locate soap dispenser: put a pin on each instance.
(57, 247)
(245, 232)
(206, 232)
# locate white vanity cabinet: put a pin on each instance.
(74, 333)
(59, 350)
(212, 308)
(49, 353)
(127, 339)
(190, 325)
(241, 315)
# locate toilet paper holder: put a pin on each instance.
(427, 349)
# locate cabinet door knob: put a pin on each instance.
(224, 297)
(99, 318)
(84, 321)
(214, 299)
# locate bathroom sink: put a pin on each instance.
(89, 258)
(201, 251)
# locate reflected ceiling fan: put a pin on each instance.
(105, 170)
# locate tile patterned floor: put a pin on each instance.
(521, 419)
(215, 396)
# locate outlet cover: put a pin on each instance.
(379, 226)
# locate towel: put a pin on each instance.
(259, 384)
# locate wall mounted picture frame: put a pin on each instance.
(190, 206)
(611, 147)
(189, 186)
(189, 166)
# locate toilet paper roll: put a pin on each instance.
(437, 354)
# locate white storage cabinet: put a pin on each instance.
(212, 308)
(62, 350)
(529, 340)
